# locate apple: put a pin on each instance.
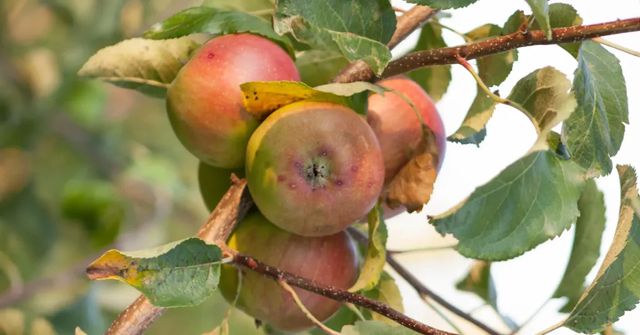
(214, 183)
(314, 168)
(204, 102)
(329, 260)
(397, 125)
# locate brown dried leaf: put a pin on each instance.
(412, 186)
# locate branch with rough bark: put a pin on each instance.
(442, 56)
(335, 294)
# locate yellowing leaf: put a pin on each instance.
(261, 98)
(412, 186)
(182, 273)
(375, 258)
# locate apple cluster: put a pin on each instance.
(313, 168)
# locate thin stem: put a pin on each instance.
(466, 38)
(421, 288)
(552, 328)
(533, 315)
(305, 310)
(442, 56)
(441, 314)
(617, 46)
(336, 294)
(492, 95)
(425, 249)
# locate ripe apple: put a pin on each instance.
(397, 125)
(204, 102)
(329, 260)
(214, 183)
(313, 168)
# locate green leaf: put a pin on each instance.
(97, 206)
(563, 15)
(480, 282)
(443, 4)
(250, 6)
(594, 132)
(318, 67)
(375, 258)
(84, 313)
(545, 96)
(586, 245)
(494, 69)
(532, 200)
(183, 273)
(145, 65)
(616, 288)
(387, 292)
(434, 79)
(473, 128)
(357, 29)
(375, 328)
(540, 10)
(215, 21)
(261, 98)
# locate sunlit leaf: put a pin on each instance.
(532, 200)
(594, 132)
(387, 292)
(182, 273)
(434, 79)
(263, 97)
(479, 282)
(586, 245)
(545, 96)
(473, 128)
(616, 288)
(357, 29)
(375, 257)
(141, 64)
(217, 22)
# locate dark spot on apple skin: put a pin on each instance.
(339, 182)
(210, 55)
(293, 186)
(281, 178)
(354, 168)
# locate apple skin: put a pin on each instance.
(397, 126)
(214, 183)
(314, 168)
(204, 102)
(329, 260)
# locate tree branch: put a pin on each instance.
(335, 294)
(421, 288)
(442, 56)
(407, 23)
(231, 209)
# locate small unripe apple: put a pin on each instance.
(314, 168)
(397, 125)
(214, 183)
(204, 102)
(329, 260)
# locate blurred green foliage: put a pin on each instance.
(85, 166)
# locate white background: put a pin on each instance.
(524, 283)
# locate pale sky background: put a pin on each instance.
(524, 283)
